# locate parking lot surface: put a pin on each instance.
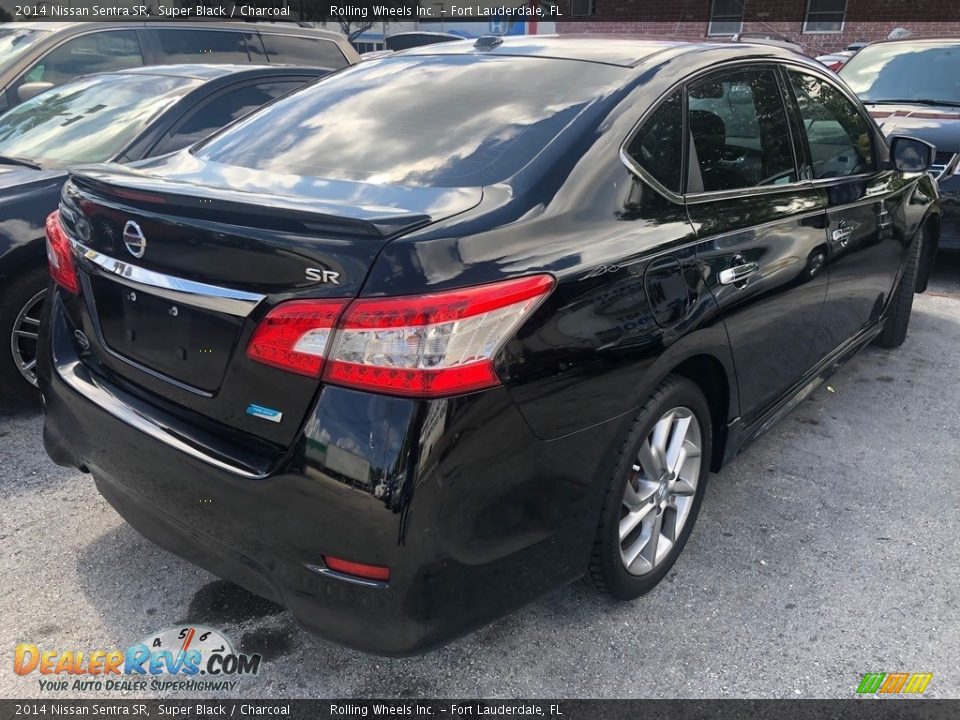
(827, 549)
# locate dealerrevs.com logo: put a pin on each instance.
(191, 658)
(897, 683)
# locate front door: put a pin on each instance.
(862, 200)
(762, 248)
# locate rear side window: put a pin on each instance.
(191, 46)
(97, 52)
(435, 120)
(292, 50)
(738, 127)
(222, 109)
(658, 145)
(839, 135)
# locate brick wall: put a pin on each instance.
(865, 20)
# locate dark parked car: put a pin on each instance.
(121, 116)
(404, 361)
(912, 86)
(35, 56)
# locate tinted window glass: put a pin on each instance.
(216, 46)
(658, 145)
(303, 51)
(739, 131)
(426, 120)
(88, 120)
(837, 132)
(221, 110)
(926, 70)
(96, 52)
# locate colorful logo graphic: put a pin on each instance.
(181, 652)
(894, 683)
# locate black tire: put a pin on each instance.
(901, 305)
(18, 293)
(607, 572)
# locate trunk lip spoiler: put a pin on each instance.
(384, 217)
(239, 303)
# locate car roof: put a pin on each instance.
(211, 71)
(608, 49)
(917, 39)
(265, 27)
(623, 51)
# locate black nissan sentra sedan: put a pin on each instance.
(122, 116)
(444, 331)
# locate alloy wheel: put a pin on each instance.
(660, 491)
(23, 338)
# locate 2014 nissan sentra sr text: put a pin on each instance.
(419, 343)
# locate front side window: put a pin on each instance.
(726, 17)
(839, 135)
(738, 127)
(203, 46)
(97, 52)
(825, 16)
(658, 145)
(88, 120)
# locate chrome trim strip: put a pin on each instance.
(177, 289)
(76, 375)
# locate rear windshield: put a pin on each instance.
(430, 120)
(925, 71)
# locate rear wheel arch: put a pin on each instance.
(710, 375)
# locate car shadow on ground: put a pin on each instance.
(138, 588)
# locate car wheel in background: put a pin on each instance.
(901, 304)
(20, 313)
(655, 494)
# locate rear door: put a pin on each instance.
(761, 228)
(862, 199)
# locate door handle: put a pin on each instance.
(738, 273)
(842, 235)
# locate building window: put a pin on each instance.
(582, 8)
(824, 16)
(726, 17)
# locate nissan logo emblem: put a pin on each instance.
(134, 240)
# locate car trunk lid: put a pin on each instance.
(180, 262)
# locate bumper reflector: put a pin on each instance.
(368, 572)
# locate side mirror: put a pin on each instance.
(32, 89)
(911, 155)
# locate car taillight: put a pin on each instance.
(431, 345)
(60, 255)
(294, 335)
(835, 66)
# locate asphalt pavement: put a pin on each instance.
(827, 549)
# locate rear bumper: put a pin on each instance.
(471, 512)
